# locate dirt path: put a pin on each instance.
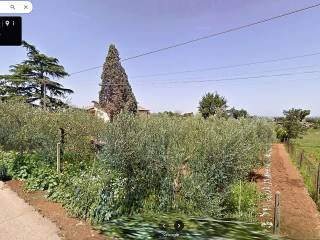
(20, 221)
(299, 216)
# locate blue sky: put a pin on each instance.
(78, 33)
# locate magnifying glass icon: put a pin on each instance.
(15, 7)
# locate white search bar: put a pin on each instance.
(15, 7)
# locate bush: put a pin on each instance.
(6, 159)
(42, 178)
(29, 167)
(185, 165)
(281, 133)
(159, 164)
(244, 201)
(26, 129)
(163, 164)
(4, 176)
(85, 192)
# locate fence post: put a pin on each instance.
(62, 137)
(301, 158)
(58, 157)
(239, 201)
(318, 185)
(276, 218)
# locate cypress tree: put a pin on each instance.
(116, 93)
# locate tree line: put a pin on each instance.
(35, 81)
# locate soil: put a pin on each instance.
(300, 218)
(70, 228)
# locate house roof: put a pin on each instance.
(142, 109)
(96, 105)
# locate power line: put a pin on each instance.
(241, 74)
(208, 36)
(224, 32)
(229, 66)
(261, 82)
(243, 78)
(225, 79)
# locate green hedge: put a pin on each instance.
(184, 165)
(158, 164)
(27, 129)
(162, 164)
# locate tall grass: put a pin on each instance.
(309, 166)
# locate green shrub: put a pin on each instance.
(4, 176)
(42, 178)
(244, 201)
(38, 174)
(3, 168)
(22, 166)
(159, 164)
(10, 163)
(26, 129)
(181, 164)
(85, 192)
(281, 133)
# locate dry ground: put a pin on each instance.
(300, 218)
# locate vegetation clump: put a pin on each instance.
(157, 165)
(213, 104)
(292, 125)
(188, 165)
(26, 129)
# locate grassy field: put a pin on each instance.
(310, 143)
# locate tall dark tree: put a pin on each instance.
(33, 80)
(211, 104)
(116, 93)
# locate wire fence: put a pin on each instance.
(309, 167)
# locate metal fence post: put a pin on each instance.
(58, 157)
(301, 158)
(276, 219)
